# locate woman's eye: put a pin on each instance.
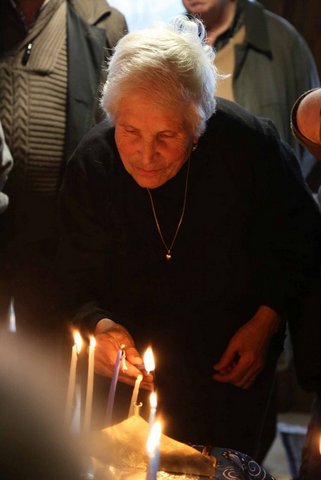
(167, 134)
(130, 130)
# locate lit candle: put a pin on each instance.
(133, 401)
(72, 375)
(112, 389)
(152, 447)
(153, 407)
(149, 361)
(90, 384)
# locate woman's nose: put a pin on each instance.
(148, 151)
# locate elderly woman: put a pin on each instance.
(187, 226)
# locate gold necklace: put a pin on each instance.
(168, 249)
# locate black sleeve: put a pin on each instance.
(81, 267)
(305, 331)
(289, 226)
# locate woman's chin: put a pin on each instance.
(149, 181)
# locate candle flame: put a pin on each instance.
(149, 361)
(153, 400)
(92, 342)
(78, 341)
(154, 438)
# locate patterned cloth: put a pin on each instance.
(233, 465)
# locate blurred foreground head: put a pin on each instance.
(33, 441)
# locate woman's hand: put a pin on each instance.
(107, 347)
(244, 357)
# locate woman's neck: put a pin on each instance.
(216, 22)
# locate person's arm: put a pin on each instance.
(289, 227)
(83, 249)
(245, 355)
(288, 243)
(82, 263)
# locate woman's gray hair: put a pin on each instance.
(170, 61)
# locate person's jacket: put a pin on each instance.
(93, 30)
(273, 67)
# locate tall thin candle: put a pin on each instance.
(90, 384)
(112, 389)
(133, 401)
(152, 447)
(153, 407)
(72, 375)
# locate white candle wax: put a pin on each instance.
(152, 412)
(133, 401)
(72, 376)
(90, 384)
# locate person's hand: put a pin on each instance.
(244, 357)
(108, 345)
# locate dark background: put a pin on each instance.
(305, 15)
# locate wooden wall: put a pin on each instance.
(305, 15)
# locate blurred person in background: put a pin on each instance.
(52, 54)
(269, 63)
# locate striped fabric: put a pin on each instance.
(33, 103)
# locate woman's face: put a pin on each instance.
(153, 141)
(202, 7)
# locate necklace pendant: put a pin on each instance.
(168, 256)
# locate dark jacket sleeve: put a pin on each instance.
(291, 283)
(82, 256)
(305, 331)
(289, 227)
